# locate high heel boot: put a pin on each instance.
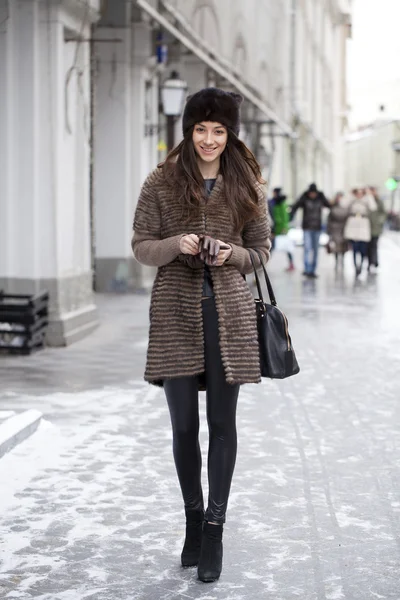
(210, 563)
(191, 548)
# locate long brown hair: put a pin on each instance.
(239, 168)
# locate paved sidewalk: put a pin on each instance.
(90, 507)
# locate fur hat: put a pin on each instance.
(213, 104)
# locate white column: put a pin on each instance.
(6, 102)
(20, 141)
(64, 175)
(144, 109)
(125, 150)
(112, 154)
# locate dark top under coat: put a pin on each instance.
(207, 283)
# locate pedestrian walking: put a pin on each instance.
(337, 218)
(358, 226)
(312, 202)
(197, 215)
(279, 213)
(378, 218)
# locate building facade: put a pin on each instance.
(83, 124)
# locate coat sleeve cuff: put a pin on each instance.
(156, 253)
(240, 259)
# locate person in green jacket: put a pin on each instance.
(278, 209)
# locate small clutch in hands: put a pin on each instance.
(208, 249)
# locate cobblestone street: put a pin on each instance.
(90, 507)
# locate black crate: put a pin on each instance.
(23, 322)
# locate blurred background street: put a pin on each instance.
(91, 98)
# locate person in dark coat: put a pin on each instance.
(312, 202)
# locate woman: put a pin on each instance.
(358, 226)
(197, 215)
(337, 218)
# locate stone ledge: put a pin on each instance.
(72, 327)
(17, 428)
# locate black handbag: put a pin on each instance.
(277, 357)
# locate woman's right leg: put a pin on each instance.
(183, 404)
(221, 417)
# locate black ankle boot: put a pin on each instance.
(194, 527)
(210, 563)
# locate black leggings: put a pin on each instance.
(183, 403)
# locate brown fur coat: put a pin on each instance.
(176, 344)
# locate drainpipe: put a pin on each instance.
(92, 200)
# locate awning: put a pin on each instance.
(216, 66)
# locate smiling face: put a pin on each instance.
(209, 140)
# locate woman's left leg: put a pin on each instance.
(363, 252)
(221, 416)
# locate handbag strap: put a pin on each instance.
(267, 280)
(260, 294)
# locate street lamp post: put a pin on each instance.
(173, 92)
(170, 132)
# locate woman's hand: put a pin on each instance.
(211, 251)
(224, 253)
(189, 244)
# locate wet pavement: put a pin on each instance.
(90, 507)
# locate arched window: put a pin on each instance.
(205, 21)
